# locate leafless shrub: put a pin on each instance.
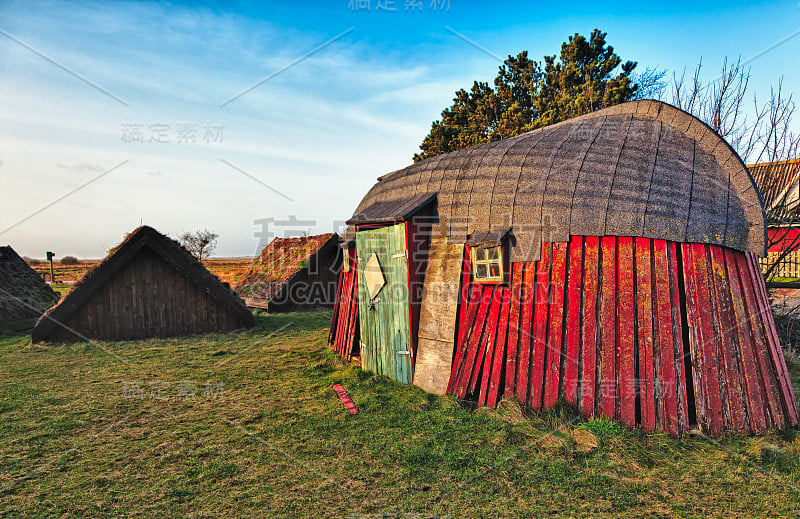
(763, 134)
(200, 243)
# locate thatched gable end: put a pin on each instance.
(292, 273)
(24, 296)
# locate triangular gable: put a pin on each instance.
(24, 296)
(167, 250)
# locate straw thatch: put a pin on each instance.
(643, 168)
(24, 296)
(293, 273)
(778, 184)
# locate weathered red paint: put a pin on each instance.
(664, 341)
(626, 364)
(473, 339)
(513, 329)
(540, 327)
(644, 308)
(528, 292)
(739, 385)
(573, 320)
(486, 354)
(608, 335)
(590, 293)
(775, 354)
(613, 314)
(554, 329)
(679, 351)
(499, 349)
(344, 323)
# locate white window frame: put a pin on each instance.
(480, 256)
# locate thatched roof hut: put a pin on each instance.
(24, 296)
(293, 273)
(610, 259)
(148, 286)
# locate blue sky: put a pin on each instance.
(310, 141)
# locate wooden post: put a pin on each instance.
(52, 272)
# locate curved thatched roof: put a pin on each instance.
(643, 168)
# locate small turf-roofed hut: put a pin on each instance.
(294, 273)
(610, 260)
(24, 296)
(148, 286)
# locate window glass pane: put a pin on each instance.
(494, 270)
(480, 271)
(493, 253)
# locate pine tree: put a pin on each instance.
(527, 96)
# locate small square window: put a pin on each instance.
(487, 264)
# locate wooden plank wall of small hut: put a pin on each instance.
(610, 323)
(148, 298)
(344, 331)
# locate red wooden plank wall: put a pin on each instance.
(344, 335)
(613, 323)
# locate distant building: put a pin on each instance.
(24, 296)
(148, 286)
(779, 185)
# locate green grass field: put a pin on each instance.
(246, 425)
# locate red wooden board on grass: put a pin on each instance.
(345, 398)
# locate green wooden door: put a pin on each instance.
(383, 302)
